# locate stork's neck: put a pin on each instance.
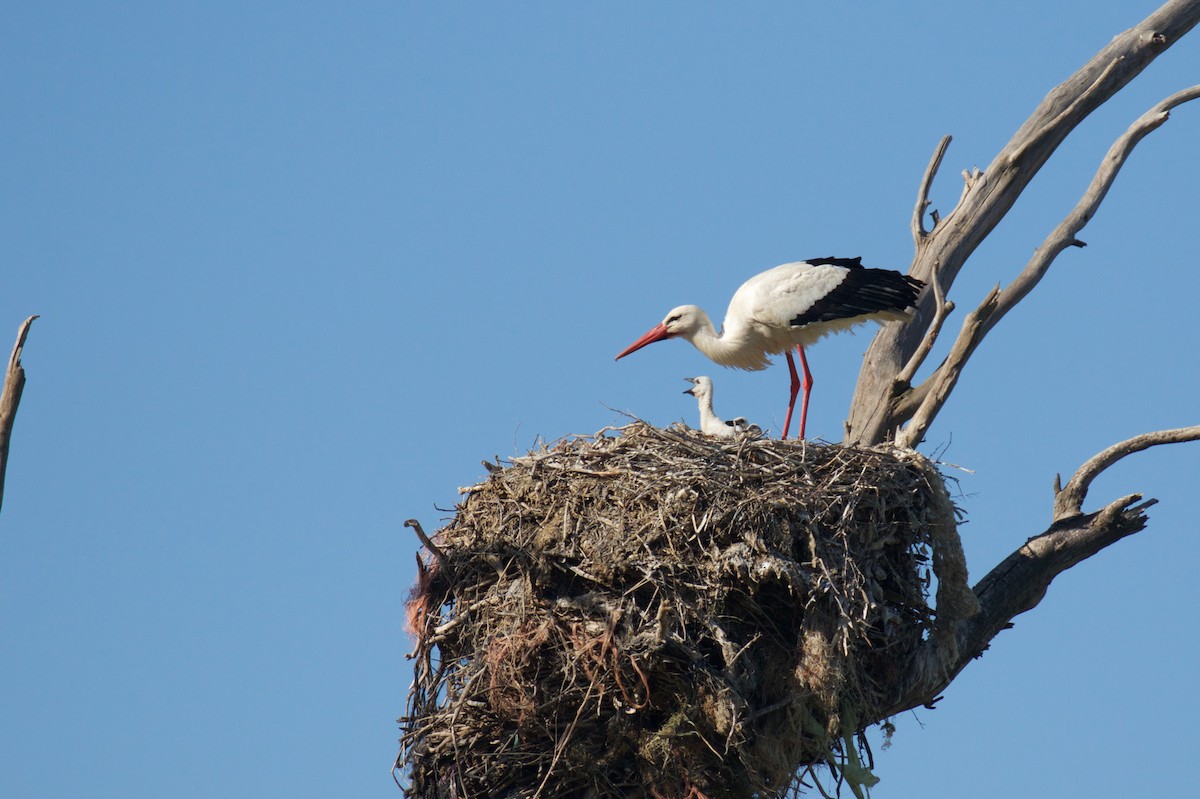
(708, 419)
(713, 344)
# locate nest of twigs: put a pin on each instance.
(656, 613)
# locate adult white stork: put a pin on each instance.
(710, 423)
(792, 305)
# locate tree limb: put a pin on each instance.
(918, 219)
(10, 398)
(1016, 585)
(1065, 235)
(999, 302)
(1068, 500)
(963, 631)
(937, 387)
(989, 195)
(941, 308)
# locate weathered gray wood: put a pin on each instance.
(987, 197)
(14, 385)
(885, 398)
(937, 387)
(1068, 500)
(1020, 581)
(1016, 585)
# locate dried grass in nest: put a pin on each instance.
(661, 614)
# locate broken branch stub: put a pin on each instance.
(10, 397)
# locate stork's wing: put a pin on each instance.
(775, 298)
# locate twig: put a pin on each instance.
(14, 385)
(396, 766)
(942, 307)
(437, 553)
(918, 219)
(1068, 500)
(817, 783)
(566, 739)
(937, 387)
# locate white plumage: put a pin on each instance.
(792, 305)
(710, 423)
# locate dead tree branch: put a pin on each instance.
(918, 220)
(999, 302)
(1068, 500)
(1020, 581)
(885, 398)
(14, 385)
(1016, 585)
(989, 195)
(909, 398)
(941, 308)
(936, 389)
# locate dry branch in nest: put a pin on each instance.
(657, 613)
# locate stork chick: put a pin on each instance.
(710, 423)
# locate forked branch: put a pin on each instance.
(1068, 500)
(1017, 585)
(1020, 581)
(989, 195)
(999, 302)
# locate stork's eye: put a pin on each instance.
(673, 319)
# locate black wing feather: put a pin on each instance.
(863, 291)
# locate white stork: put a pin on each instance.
(792, 305)
(710, 423)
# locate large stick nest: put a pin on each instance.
(662, 614)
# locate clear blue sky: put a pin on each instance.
(302, 266)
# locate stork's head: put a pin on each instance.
(682, 321)
(701, 387)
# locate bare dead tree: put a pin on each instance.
(486, 579)
(888, 405)
(14, 385)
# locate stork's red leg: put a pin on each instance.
(795, 389)
(807, 386)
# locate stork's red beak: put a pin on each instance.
(656, 333)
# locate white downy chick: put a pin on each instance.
(710, 423)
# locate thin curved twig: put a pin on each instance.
(937, 387)
(428, 542)
(941, 308)
(918, 219)
(1068, 500)
(10, 399)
